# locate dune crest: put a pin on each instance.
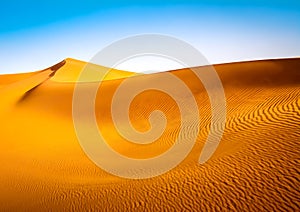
(71, 69)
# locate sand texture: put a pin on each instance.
(256, 167)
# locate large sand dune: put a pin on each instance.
(256, 166)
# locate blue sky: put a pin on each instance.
(35, 35)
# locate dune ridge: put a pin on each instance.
(256, 166)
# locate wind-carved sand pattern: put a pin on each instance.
(255, 167)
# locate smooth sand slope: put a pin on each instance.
(256, 166)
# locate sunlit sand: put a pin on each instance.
(255, 167)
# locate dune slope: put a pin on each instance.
(256, 166)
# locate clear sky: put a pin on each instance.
(37, 34)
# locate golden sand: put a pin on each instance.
(255, 168)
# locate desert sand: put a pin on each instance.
(255, 167)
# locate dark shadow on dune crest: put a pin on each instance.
(55, 67)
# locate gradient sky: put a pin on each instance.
(37, 34)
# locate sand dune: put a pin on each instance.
(255, 168)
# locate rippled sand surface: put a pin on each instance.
(256, 167)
